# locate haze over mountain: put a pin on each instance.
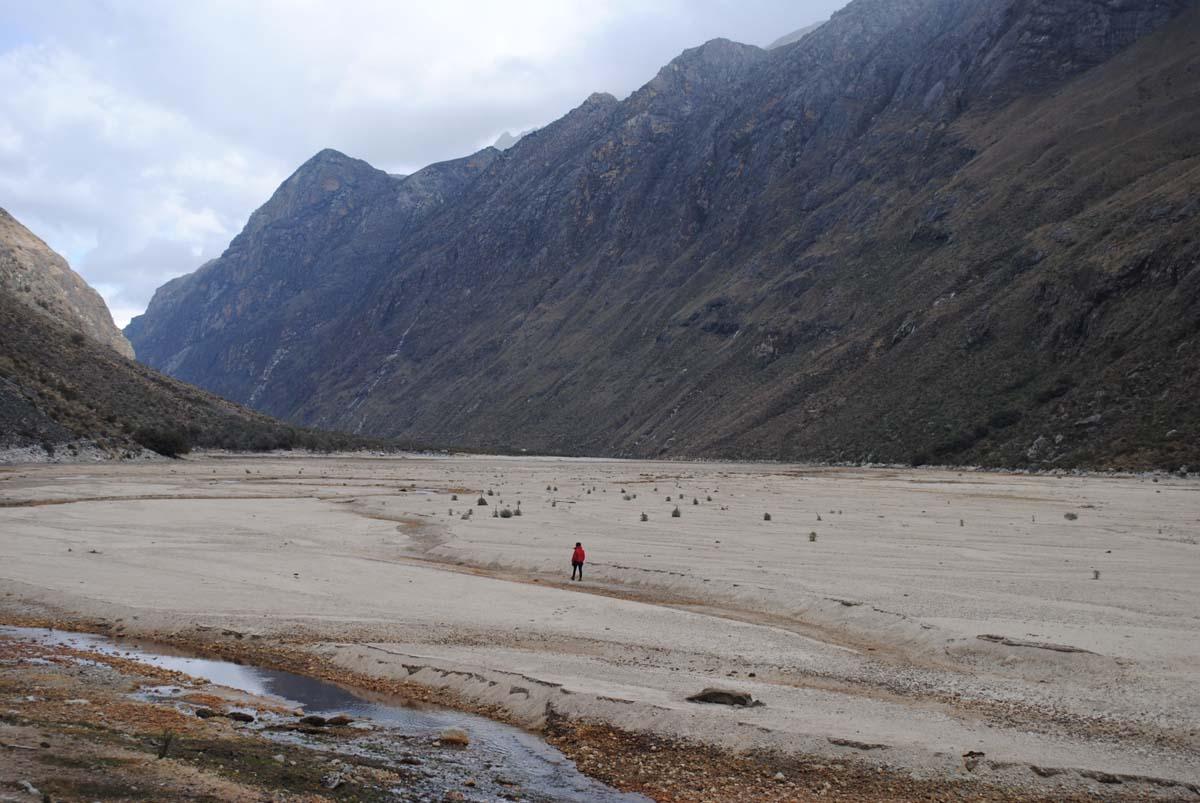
(794, 36)
(947, 230)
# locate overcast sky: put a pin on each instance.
(136, 137)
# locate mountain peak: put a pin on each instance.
(707, 69)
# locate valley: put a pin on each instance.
(988, 633)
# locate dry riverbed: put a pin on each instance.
(911, 635)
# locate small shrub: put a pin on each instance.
(708, 498)
(695, 501)
(812, 536)
(164, 743)
(675, 513)
(1095, 574)
(495, 514)
(1071, 516)
(506, 514)
(491, 492)
(481, 502)
(766, 517)
(645, 517)
(454, 497)
(517, 512)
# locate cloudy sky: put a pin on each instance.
(136, 136)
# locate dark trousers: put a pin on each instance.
(576, 566)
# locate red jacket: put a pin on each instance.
(578, 555)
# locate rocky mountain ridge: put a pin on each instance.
(32, 273)
(947, 230)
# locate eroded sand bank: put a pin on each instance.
(864, 641)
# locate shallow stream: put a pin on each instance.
(500, 760)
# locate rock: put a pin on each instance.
(339, 721)
(206, 713)
(1090, 421)
(717, 696)
(29, 788)
(314, 720)
(779, 776)
(239, 716)
(332, 780)
(279, 758)
(454, 737)
(971, 759)
(454, 794)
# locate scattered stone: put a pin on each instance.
(341, 720)
(454, 737)
(779, 776)
(971, 759)
(206, 713)
(29, 788)
(239, 716)
(314, 720)
(279, 758)
(717, 696)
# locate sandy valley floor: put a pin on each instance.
(1041, 631)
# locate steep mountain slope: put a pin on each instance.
(60, 387)
(952, 230)
(41, 279)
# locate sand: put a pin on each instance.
(864, 641)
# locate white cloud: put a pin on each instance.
(137, 136)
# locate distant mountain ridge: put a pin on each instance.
(795, 36)
(65, 384)
(930, 230)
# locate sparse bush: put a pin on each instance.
(695, 501)
(766, 517)
(1070, 516)
(517, 512)
(675, 513)
(812, 536)
(708, 498)
(78, 338)
(506, 514)
(1095, 574)
(495, 514)
(454, 497)
(645, 517)
(481, 502)
(491, 492)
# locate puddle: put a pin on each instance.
(510, 756)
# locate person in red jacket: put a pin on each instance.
(577, 559)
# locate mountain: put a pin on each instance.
(35, 275)
(61, 386)
(794, 36)
(507, 140)
(958, 231)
